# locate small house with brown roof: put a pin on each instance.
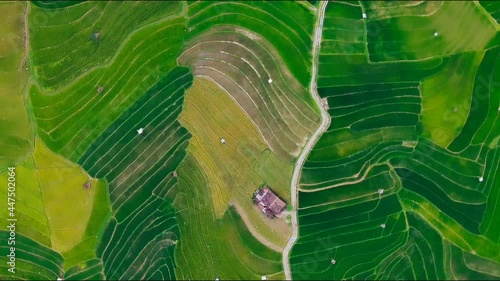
(268, 202)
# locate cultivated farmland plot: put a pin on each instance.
(404, 183)
(134, 136)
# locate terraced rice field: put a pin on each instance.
(287, 26)
(251, 94)
(108, 96)
(47, 188)
(71, 118)
(428, 34)
(403, 184)
(46, 176)
(214, 247)
(35, 261)
(138, 241)
(446, 99)
(237, 167)
(139, 132)
(249, 65)
(62, 43)
(111, 215)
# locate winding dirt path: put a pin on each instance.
(325, 122)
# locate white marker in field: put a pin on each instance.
(140, 131)
(364, 15)
(333, 261)
(435, 34)
(270, 81)
(263, 277)
(481, 179)
(223, 141)
(381, 191)
(382, 225)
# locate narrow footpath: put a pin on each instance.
(325, 122)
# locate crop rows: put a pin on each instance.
(428, 34)
(179, 111)
(212, 247)
(387, 193)
(236, 167)
(287, 26)
(33, 260)
(138, 241)
(283, 119)
(92, 270)
(33, 221)
(100, 114)
(249, 64)
(482, 124)
(40, 183)
(70, 119)
(251, 92)
(63, 42)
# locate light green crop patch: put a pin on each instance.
(448, 228)
(70, 119)
(472, 33)
(54, 200)
(15, 128)
(384, 9)
(428, 36)
(67, 42)
(29, 212)
(446, 98)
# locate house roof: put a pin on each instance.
(265, 197)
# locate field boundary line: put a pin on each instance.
(487, 15)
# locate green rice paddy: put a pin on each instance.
(16, 130)
(213, 247)
(64, 44)
(403, 183)
(234, 169)
(140, 130)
